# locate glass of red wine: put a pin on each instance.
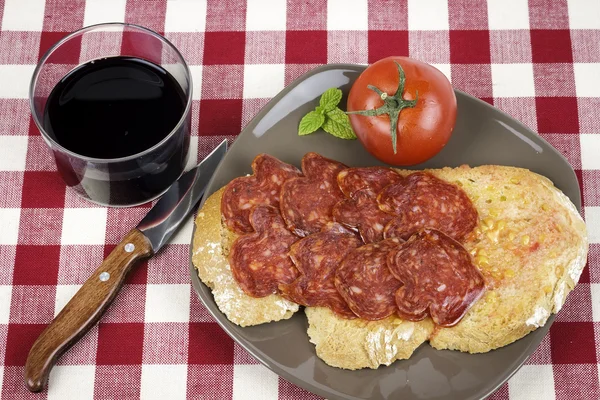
(113, 103)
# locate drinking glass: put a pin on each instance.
(135, 178)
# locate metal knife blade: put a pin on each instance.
(167, 214)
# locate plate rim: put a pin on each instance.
(226, 325)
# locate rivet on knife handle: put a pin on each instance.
(84, 309)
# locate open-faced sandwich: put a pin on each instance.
(383, 260)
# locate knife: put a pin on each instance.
(98, 292)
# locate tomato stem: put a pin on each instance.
(392, 104)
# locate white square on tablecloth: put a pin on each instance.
(84, 226)
(592, 220)
(590, 146)
(421, 18)
(595, 290)
(532, 382)
(446, 69)
(163, 382)
(508, 14)
(5, 297)
(71, 382)
(266, 15)
(587, 79)
(263, 80)
(196, 71)
(22, 15)
(251, 382)
(100, 11)
(185, 16)
(167, 303)
(64, 293)
(14, 81)
(584, 14)
(10, 217)
(513, 80)
(13, 152)
(347, 15)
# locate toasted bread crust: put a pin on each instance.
(211, 247)
(530, 245)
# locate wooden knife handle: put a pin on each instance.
(84, 309)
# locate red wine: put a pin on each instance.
(112, 108)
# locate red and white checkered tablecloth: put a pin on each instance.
(537, 60)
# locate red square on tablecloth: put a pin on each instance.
(387, 43)
(43, 189)
(67, 54)
(551, 46)
(306, 47)
(120, 344)
(573, 343)
(209, 344)
(220, 117)
(19, 340)
(470, 47)
(557, 114)
(224, 48)
(36, 265)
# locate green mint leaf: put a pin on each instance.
(330, 99)
(320, 110)
(337, 123)
(310, 123)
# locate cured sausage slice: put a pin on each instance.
(353, 180)
(365, 282)
(260, 189)
(317, 256)
(438, 278)
(362, 213)
(422, 200)
(307, 202)
(259, 261)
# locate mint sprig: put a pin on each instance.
(329, 116)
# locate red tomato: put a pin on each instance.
(424, 127)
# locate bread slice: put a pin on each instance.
(530, 245)
(211, 248)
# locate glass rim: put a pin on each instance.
(48, 53)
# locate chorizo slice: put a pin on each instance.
(307, 202)
(259, 261)
(438, 278)
(365, 282)
(422, 200)
(374, 179)
(363, 214)
(260, 189)
(316, 257)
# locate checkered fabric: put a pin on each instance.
(538, 60)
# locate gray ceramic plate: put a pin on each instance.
(483, 135)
